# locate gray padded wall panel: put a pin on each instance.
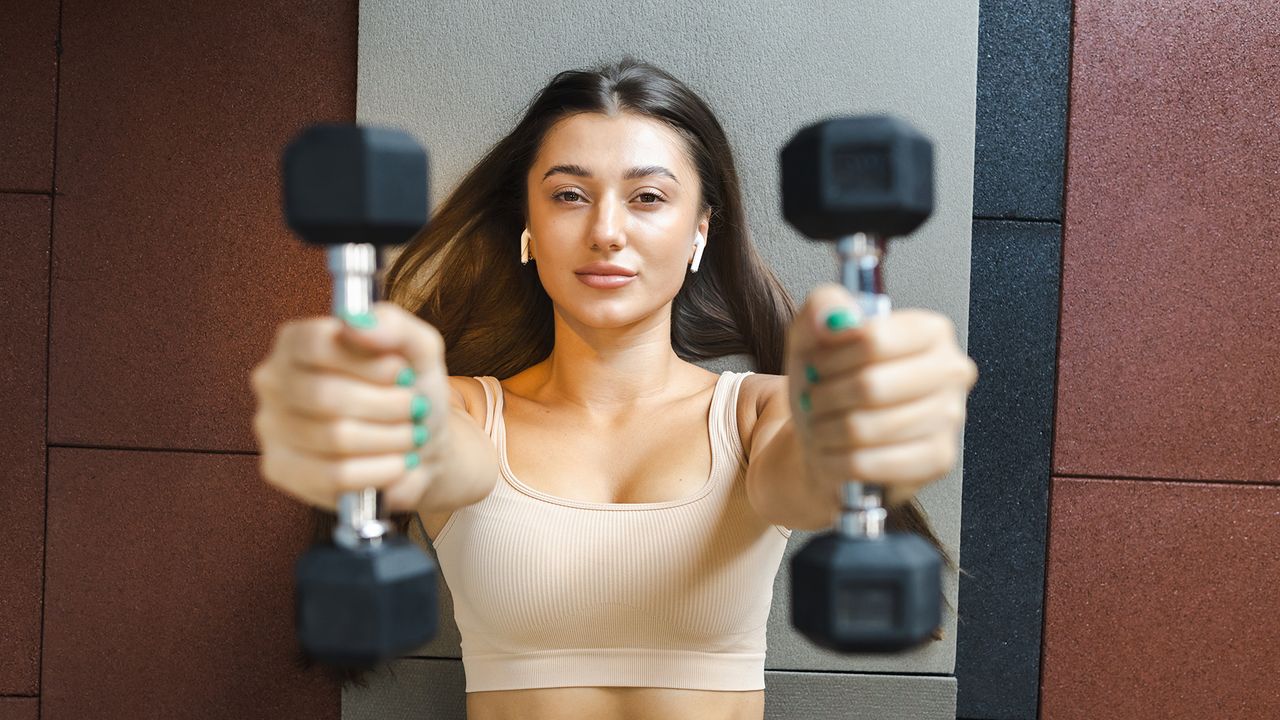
(457, 75)
(418, 689)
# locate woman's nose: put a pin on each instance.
(609, 221)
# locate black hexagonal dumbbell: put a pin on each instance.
(371, 596)
(858, 181)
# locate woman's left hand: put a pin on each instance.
(883, 403)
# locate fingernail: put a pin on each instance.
(810, 374)
(411, 460)
(843, 319)
(364, 320)
(420, 435)
(804, 400)
(419, 407)
(406, 377)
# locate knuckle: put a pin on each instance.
(855, 466)
(283, 332)
(944, 325)
(324, 394)
(267, 468)
(947, 453)
(856, 430)
(260, 425)
(314, 346)
(435, 341)
(863, 385)
(261, 379)
(851, 465)
(342, 475)
(287, 337)
(337, 436)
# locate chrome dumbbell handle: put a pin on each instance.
(863, 513)
(354, 267)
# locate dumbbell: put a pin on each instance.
(859, 181)
(371, 595)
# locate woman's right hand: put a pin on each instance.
(331, 417)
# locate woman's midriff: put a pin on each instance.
(615, 703)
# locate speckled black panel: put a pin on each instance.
(1024, 48)
(1013, 322)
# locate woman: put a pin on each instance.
(609, 516)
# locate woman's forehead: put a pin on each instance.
(611, 145)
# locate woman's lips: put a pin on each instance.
(604, 282)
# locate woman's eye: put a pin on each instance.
(571, 196)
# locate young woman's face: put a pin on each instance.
(616, 190)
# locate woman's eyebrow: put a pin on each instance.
(632, 174)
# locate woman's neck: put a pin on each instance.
(610, 372)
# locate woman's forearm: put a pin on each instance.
(781, 490)
(463, 466)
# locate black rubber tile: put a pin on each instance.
(1013, 321)
(1024, 50)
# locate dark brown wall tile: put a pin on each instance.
(172, 264)
(28, 88)
(19, 708)
(1171, 251)
(1162, 601)
(170, 591)
(24, 316)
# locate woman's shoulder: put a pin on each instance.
(470, 392)
(757, 391)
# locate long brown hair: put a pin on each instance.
(462, 273)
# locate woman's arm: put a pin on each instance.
(465, 462)
(779, 487)
(884, 402)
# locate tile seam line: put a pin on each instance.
(123, 448)
(1057, 372)
(1180, 481)
(48, 348)
(1036, 221)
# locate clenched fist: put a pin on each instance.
(882, 401)
(341, 409)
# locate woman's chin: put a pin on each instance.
(603, 314)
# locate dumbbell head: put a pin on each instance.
(866, 595)
(357, 607)
(868, 174)
(353, 184)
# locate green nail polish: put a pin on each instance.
(411, 460)
(804, 401)
(810, 373)
(842, 319)
(406, 377)
(420, 435)
(364, 321)
(419, 408)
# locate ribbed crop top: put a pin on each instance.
(554, 592)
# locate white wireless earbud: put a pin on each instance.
(698, 243)
(524, 247)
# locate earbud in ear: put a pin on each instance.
(699, 243)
